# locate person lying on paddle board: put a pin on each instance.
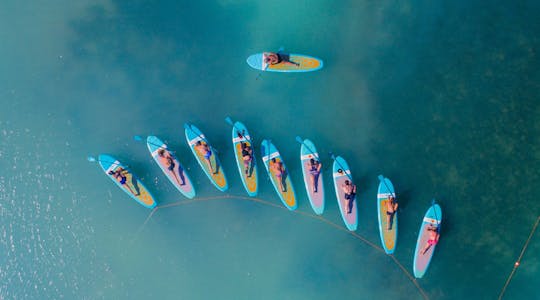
(350, 191)
(278, 170)
(314, 171)
(273, 58)
(391, 208)
(247, 156)
(167, 160)
(119, 175)
(433, 238)
(205, 151)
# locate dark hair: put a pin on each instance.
(347, 181)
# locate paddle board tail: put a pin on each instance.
(171, 167)
(206, 156)
(278, 173)
(387, 215)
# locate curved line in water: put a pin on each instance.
(303, 213)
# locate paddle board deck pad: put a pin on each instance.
(307, 63)
(341, 172)
(388, 237)
(216, 175)
(316, 199)
(175, 172)
(433, 217)
(269, 152)
(132, 186)
(248, 172)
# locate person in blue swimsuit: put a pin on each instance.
(206, 152)
(118, 174)
(314, 171)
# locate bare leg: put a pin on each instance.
(209, 164)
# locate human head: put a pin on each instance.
(198, 143)
(161, 152)
(274, 160)
(347, 182)
(312, 161)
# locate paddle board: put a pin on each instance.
(433, 217)
(178, 175)
(341, 172)
(270, 156)
(388, 237)
(248, 173)
(307, 63)
(132, 186)
(216, 174)
(316, 199)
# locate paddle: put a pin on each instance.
(188, 127)
(334, 158)
(140, 139)
(93, 159)
(301, 141)
(381, 179)
(230, 122)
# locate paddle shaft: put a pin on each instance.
(348, 175)
(188, 126)
(299, 139)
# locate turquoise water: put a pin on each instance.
(441, 98)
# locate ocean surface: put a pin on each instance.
(442, 98)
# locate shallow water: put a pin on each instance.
(440, 98)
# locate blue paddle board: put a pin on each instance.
(209, 163)
(271, 158)
(313, 178)
(341, 173)
(170, 166)
(306, 63)
(131, 186)
(247, 169)
(432, 218)
(388, 236)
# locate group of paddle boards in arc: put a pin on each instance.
(345, 189)
(277, 171)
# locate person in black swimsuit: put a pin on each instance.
(247, 156)
(350, 191)
(274, 58)
(314, 171)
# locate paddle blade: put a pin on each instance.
(91, 159)
(187, 126)
(281, 49)
(381, 178)
(332, 155)
(137, 138)
(299, 139)
(229, 120)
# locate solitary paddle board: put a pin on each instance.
(388, 237)
(312, 176)
(271, 156)
(307, 63)
(216, 174)
(132, 186)
(433, 217)
(341, 172)
(175, 172)
(248, 172)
